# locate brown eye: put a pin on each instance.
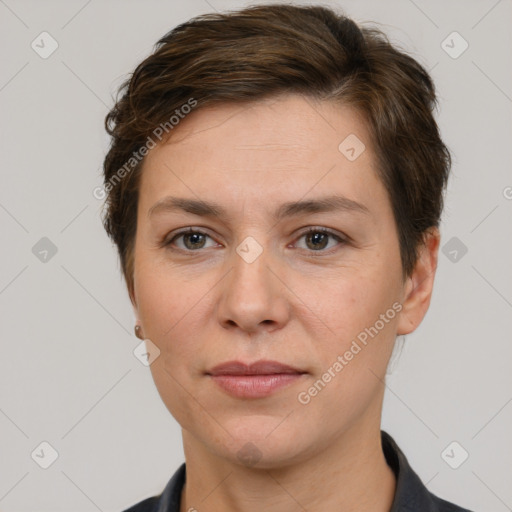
(191, 240)
(318, 239)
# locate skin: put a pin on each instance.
(300, 302)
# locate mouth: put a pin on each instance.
(257, 368)
(256, 380)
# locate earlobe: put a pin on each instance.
(137, 328)
(138, 331)
(419, 285)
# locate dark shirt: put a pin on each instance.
(410, 495)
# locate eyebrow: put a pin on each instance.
(289, 209)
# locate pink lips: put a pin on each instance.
(255, 380)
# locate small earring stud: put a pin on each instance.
(138, 333)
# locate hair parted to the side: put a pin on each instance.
(274, 49)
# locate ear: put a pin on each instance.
(419, 285)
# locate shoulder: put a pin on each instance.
(411, 494)
(445, 506)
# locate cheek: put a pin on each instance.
(166, 299)
(354, 351)
(172, 388)
(358, 325)
(172, 314)
(346, 304)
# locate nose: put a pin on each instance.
(253, 296)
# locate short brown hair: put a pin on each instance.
(273, 49)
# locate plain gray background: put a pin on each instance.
(67, 372)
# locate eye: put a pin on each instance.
(192, 240)
(317, 239)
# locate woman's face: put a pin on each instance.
(251, 284)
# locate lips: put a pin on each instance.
(257, 380)
(257, 368)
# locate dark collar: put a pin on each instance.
(410, 495)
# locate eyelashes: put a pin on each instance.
(184, 233)
(315, 238)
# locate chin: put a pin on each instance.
(263, 444)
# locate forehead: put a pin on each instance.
(285, 145)
(287, 121)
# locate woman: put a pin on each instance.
(275, 184)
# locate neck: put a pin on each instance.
(351, 475)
